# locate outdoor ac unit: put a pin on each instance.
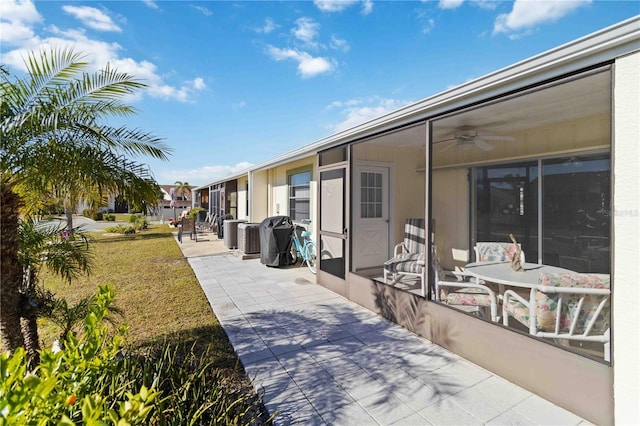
(249, 238)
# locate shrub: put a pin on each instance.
(92, 214)
(110, 217)
(138, 222)
(76, 384)
(193, 213)
(121, 229)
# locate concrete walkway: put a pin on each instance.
(320, 359)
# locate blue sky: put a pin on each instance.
(235, 83)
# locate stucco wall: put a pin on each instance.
(626, 239)
(242, 199)
(407, 187)
(258, 199)
(271, 193)
(450, 211)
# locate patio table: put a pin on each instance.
(502, 273)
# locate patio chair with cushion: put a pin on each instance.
(460, 292)
(188, 225)
(495, 251)
(570, 306)
(409, 256)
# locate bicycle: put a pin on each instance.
(305, 250)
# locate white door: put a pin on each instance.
(371, 216)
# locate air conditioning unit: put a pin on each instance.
(249, 238)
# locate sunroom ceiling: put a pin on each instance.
(581, 97)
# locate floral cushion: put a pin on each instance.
(495, 251)
(468, 296)
(547, 303)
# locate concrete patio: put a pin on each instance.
(318, 358)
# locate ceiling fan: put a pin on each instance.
(467, 137)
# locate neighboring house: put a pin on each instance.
(546, 149)
(183, 201)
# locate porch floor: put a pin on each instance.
(321, 359)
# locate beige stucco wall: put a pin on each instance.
(259, 196)
(242, 199)
(407, 189)
(626, 239)
(270, 191)
(450, 211)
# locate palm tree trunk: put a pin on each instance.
(68, 213)
(29, 326)
(10, 270)
(29, 317)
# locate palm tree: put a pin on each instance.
(182, 187)
(53, 135)
(46, 244)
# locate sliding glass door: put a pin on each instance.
(506, 203)
(565, 217)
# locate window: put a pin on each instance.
(575, 202)
(299, 194)
(370, 195)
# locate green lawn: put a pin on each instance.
(158, 292)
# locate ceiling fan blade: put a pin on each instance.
(447, 148)
(444, 140)
(480, 143)
(498, 138)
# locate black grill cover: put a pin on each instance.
(275, 241)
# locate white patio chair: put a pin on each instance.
(460, 292)
(409, 256)
(570, 306)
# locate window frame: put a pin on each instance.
(292, 199)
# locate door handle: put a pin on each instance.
(345, 232)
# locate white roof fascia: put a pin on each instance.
(601, 46)
(233, 176)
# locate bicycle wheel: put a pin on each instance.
(310, 256)
(294, 253)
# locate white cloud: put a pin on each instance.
(306, 29)
(339, 44)
(201, 175)
(238, 105)
(367, 7)
(331, 6)
(486, 4)
(450, 4)
(360, 110)
(203, 10)
(308, 66)
(16, 21)
(19, 19)
(151, 4)
(267, 28)
(428, 26)
(527, 14)
(199, 84)
(92, 18)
